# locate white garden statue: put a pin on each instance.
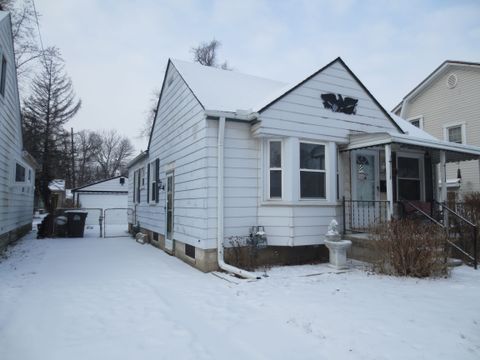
(332, 228)
(337, 248)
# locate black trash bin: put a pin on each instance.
(61, 226)
(76, 222)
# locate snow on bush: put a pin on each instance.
(410, 248)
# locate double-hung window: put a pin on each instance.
(455, 133)
(19, 173)
(275, 169)
(312, 171)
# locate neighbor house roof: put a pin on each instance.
(98, 182)
(433, 75)
(57, 185)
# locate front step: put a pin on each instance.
(451, 262)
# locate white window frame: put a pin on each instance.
(415, 118)
(421, 164)
(142, 172)
(281, 169)
(449, 126)
(328, 196)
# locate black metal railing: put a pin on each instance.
(361, 215)
(462, 232)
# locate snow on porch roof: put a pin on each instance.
(225, 90)
(414, 137)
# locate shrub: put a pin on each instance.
(410, 248)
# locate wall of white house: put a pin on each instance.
(16, 197)
(301, 113)
(179, 142)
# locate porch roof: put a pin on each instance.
(454, 152)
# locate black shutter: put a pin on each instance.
(139, 178)
(429, 184)
(394, 176)
(134, 183)
(148, 183)
(157, 178)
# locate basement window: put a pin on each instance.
(190, 251)
(155, 236)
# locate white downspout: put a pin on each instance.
(220, 230)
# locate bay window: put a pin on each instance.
(275, 169)
(312, 171)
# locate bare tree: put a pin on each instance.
(52, 102)
(206, 54)
(150, 116)
(113, 154)
(87, 145)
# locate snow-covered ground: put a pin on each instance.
(116, 299)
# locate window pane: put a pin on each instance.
(455, 134)
(275, 183)
(275, 154)
(408, 168)
(312, 156)
(409, 189)
(19, 173)
(312, 184)
(415, 123)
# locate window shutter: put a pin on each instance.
(134, 183)
(148, 183)
(138, 185)
(157, 178)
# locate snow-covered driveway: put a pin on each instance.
(116, 299)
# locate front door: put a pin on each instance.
(169, 213)
(365, 185)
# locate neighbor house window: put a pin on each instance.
(19, 173)
(275, 169)
(455, 133)
(409, 181)
(417, 121)
(3, 76)
(312, 171)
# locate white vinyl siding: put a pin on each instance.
(443, 107)
(178, 139)
(16, 198)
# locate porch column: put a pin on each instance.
(443, 178)
(389, 179)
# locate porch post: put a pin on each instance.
(389, 179)
(443, 178)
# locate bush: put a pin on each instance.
(410, 248)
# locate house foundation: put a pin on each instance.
(11, 236)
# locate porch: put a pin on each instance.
(385, 176)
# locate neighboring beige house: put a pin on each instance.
(447, 105)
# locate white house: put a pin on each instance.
(17, 168)
(229, 151)
(445, 104)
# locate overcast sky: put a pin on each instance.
(116, 51)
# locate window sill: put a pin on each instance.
(302, 202)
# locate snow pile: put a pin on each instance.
(116, 299)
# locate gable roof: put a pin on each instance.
(433, 75)
(98, 182)
(225, 90)
(230, 91)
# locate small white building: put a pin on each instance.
(104, 194)
(17, 167)
(229, 151)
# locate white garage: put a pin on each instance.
(107, 198)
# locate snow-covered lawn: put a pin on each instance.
(116, 299)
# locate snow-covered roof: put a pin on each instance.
(225, 90)
(410, 129)
(57, 185)
(3, 14)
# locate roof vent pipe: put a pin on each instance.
(220, 207)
